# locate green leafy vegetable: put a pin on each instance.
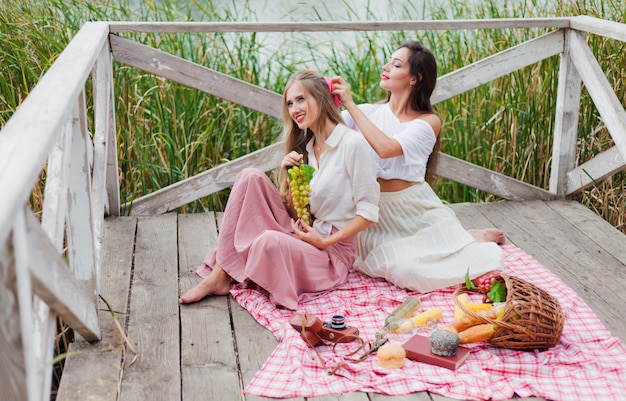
(468, 283)
(497, 292)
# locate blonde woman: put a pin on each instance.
(262, 241)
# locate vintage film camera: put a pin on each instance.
(314, 331)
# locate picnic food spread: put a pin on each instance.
(513, 314)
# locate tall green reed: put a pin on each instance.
(167, 132)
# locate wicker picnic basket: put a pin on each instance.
(531, 318)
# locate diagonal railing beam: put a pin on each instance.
(205, 183)
(593, 171)
(195, 76)
(498, 65)
(54, 283)
(486, 180)
(608, 105)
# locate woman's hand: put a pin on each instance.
(293, 158)
(308, 234)
(342, 89)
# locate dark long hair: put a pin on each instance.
(422, 64)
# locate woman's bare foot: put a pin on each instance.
(216, 283)
(488, 235)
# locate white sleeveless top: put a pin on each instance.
(417, 139)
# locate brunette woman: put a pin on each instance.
(418, 242)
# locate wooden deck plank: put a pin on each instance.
(358, 396)
(93, 371)
(602, 239)
(208, 359)
(153, 323)
(254, 345)
(595, 228)
(421, 396)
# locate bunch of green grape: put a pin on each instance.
(299, 183)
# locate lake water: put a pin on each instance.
(315, 10)
(301, 10)
(299, 45)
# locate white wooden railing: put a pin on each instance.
(49, 132)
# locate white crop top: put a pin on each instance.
(417, 139)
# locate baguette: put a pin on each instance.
(480, 332)
(468, 321)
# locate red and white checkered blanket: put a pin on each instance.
(587, 364)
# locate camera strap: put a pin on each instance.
(305, 334)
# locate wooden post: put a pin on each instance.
(34, 376)
(565, 121)
(13, 378)
(53, 224)
(106, 129)
(104, 150)
(112, 177)
(81, 248)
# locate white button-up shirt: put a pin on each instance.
(344, 183)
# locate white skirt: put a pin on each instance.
(419, 243)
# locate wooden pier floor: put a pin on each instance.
(212, 349)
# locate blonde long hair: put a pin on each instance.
(295, 138)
